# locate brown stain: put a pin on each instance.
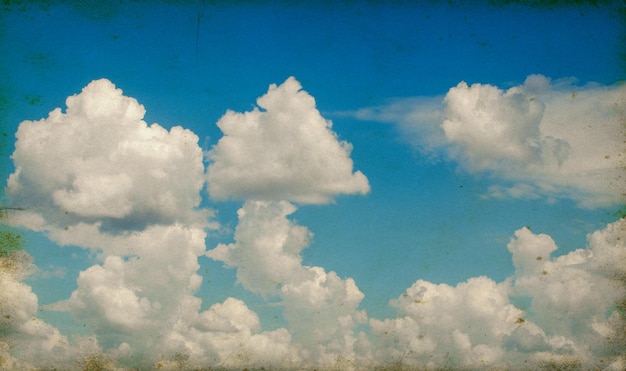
(10, 239)
(96, 362)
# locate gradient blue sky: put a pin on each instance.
(426, 215)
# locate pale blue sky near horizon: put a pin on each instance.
(190, 63)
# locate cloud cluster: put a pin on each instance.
(557, 311)
(286, 151)
(320, 307)
(99, 177)
(541, 138)
(139, 298)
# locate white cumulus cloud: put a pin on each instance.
(98, 177)
(281, 153)
(460, 326)
(573, 296)
(283, 150)
(320, 307)
(27, 342)
(572, 316)
(100, 162)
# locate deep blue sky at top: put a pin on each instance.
(347, 55)
(187, 64)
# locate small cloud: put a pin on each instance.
(520, 191)
(51, 272)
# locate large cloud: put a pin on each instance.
(458, 326)
(143, 277)
(100, 162)
(320, 307)
(139, 298)
(287, 151)
(98, 177)
(541, 138)
(565, 313)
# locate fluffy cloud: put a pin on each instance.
(497, 129)
(541, 138)
(143, 277)
(100, 162)
(141, 300)
(27, 341)
(286, 151)
(571, 320)
(267, 246)
(319, 306)
(460, 327)
(227, 335)
(148, 234)
(570, 295)
(98, 177)
(563, 140)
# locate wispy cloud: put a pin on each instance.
(549, 138)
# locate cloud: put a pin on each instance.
(572, 294)
(267, 246)
(28, 342)
(143, 276)
(141, 298)
(320, 307)
(572, 316)
(497, 129)
(101, 163)
(418, 119)
(283, 151)
(287, 153)
(542, 138)
(460, 327)
(138, 300)
(99, 177)
(226, 334)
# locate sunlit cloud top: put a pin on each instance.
(284, 151)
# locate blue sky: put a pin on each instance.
(464, 138)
